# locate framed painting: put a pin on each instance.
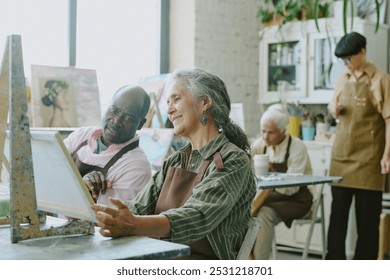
(64, 97)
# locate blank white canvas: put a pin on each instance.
(58, 184)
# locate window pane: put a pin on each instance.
(120, 39)
(42, 25)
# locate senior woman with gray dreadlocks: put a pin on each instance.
(202, 195)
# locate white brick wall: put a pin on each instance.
(226, 43)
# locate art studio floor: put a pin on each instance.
(283, 255)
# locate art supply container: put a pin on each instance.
(308, 133)
(294, 125)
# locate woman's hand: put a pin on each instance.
(115, 222)
(339, 109)
(96, 183)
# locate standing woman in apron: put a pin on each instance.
(287, 154)
(202, 194)
(361, 151)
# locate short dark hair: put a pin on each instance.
(350, 44)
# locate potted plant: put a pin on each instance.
(283, 11)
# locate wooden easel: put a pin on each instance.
(154, 86)
(24, 219)
(156, 109)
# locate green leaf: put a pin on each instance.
(266, 18)
(345, 16)
(325, 9)
(330, 70)
(316, 4)
(377, 15)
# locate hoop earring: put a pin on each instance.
(203, 119)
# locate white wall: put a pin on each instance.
(182, 34)
(224, 41)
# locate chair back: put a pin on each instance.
(249, 239)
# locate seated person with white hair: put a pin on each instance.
(287, 154)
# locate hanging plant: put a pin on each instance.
(321, 6)
(283, 11)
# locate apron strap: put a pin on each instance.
(82, 144)
(119, 154)
(89, 168)
(281, 167)
(218, 163)
(287, 155)
(218, 160)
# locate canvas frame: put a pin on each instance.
(83, 102)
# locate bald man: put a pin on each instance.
(109, 158)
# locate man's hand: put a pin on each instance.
(96, 183)
(115, 222)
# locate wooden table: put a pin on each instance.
(87, 247)
(284, 180)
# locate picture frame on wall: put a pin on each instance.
(64, 97)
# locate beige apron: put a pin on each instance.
(360, 140)
(176, 190)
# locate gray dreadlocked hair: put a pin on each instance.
(201, 83)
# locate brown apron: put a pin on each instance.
(360, 140)
(87, 168)
(289, 207)
(176, 190)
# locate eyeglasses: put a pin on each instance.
(345, 60)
